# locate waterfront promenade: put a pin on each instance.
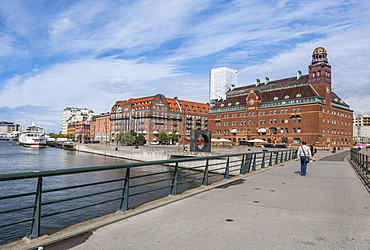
(274, 208)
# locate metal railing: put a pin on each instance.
(45, 200)
(361, 163)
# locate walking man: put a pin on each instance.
(304, 155)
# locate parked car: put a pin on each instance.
(154, 143)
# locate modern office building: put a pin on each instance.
(9, 130)
(361, 129)
(221, 80)
(8, 127)
(73, 115)
(286, 111)
(152, 115)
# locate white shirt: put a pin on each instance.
(306, 150)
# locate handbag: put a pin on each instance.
(307, 158)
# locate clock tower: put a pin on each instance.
(319, 72)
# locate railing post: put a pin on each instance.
(174, 180)
(270, 162)
(205, 177)
(254, 162)
(263, 161)
(125, 195)
(281, 157)
(36, 223)
(242, 166)
(226, 176)
(277, 157)
(367, 165)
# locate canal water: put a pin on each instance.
(17, 159)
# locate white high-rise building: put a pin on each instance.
(220, 81)
(75, 115)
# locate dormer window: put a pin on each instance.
(222, 105)
(276, 98)
(286, 97)
(229, 104)
(298, 95)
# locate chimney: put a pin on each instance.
(267, 80)
(257, 82)
(299, 74)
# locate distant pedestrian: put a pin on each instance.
(304, 155)
(334, 149)
(312, 149)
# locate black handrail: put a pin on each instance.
(122, 188)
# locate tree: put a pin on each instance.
(140, 140)
(127, 138)
(162, 137)
(174, 136)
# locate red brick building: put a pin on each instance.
(286, 111)
(152, 115)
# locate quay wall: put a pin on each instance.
(151, 154)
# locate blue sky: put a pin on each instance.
(89, 54)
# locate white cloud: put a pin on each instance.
(81, 83)
(61, 26)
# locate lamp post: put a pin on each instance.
(181, 133)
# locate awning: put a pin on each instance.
(220, 140)
(261, 130)
(233, 130)
(155, 132)
(256, 140)
(144, 132)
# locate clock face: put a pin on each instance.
(251, 101)
(328, 90)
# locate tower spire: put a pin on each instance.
(319, 70)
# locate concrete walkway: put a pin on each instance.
(271, 209)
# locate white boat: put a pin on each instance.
(33, 136)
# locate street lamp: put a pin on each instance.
(181, 133)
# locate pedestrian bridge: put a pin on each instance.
(271, 208)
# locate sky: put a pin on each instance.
(90, 54)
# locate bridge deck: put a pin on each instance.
(271, 209)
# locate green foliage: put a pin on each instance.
(127, 138)
(162, 137)
(140, 140)
(174, 136)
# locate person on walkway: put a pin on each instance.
(312, 148)
(334, 149)
(304, 155)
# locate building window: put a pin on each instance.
(286, 97)
(276, 98)
(297, 140)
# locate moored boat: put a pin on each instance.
(33, 136)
